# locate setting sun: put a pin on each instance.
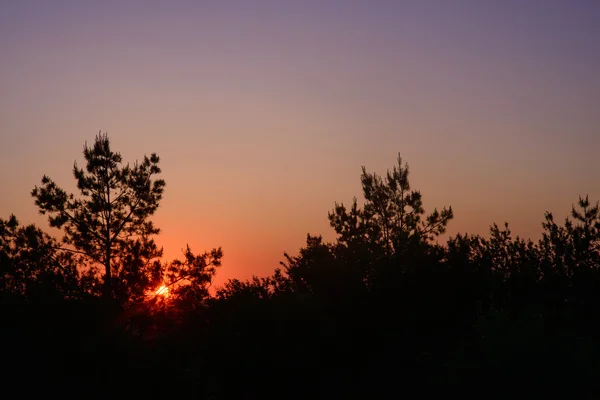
(163, 291)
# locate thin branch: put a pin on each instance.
(74, 221)
(118, 197)
(131, 210)
(430, 228)
(79, 252)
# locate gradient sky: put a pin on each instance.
(264, 111)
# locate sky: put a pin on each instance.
(263, 112)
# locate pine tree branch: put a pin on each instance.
(79, 252)
(431, 227)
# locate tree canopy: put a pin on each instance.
(108, 221)
(383, 305)
(108, 233)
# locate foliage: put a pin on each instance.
(381, 307)
(189, 280)
(109, 221)
(392, 216)
(32, 266)
(107, 234)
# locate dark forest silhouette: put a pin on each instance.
(382, 309)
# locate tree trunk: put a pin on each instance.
(107, 275)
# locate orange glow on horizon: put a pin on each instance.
(290, 115)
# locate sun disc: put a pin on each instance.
(163, 291)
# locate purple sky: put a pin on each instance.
(264, 111)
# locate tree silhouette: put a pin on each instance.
(383, 305)
(389, 229)
(109, 222)
(32, 266)
(190, 279)
(392, 216)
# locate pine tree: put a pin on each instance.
(392, 216)
(108, 221)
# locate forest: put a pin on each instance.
(386, 309)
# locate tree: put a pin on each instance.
(390, 230)
(392, 216)
(31, 266)
(189, 280)
(109, 222)
(570, 254)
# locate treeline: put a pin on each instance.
(382, 310)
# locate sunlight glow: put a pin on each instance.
(163, 291)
